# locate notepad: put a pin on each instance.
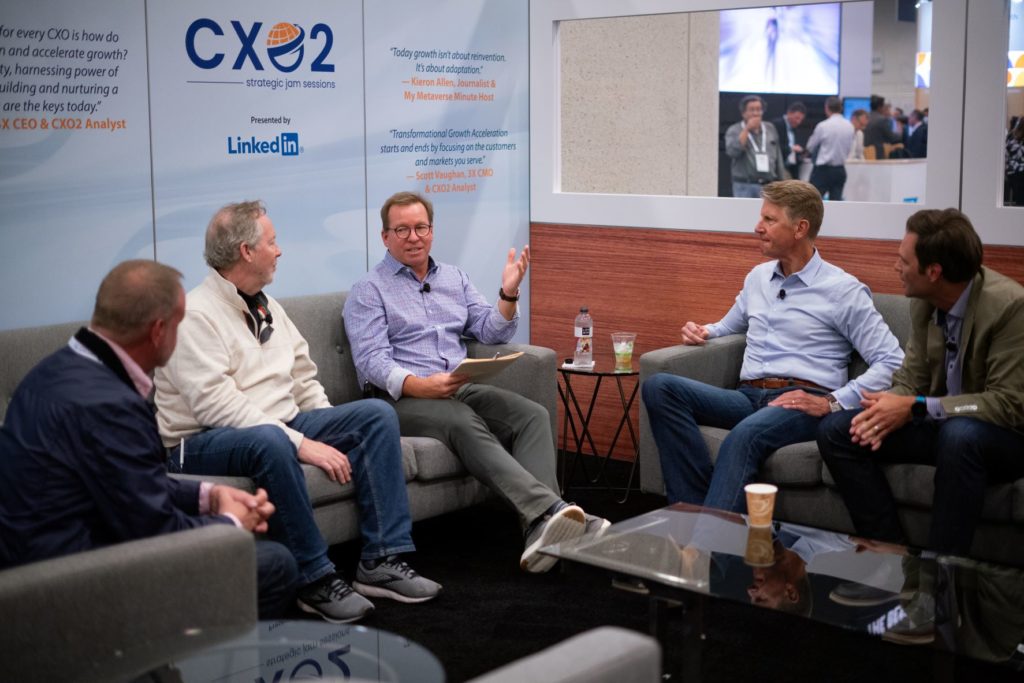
(476, 368)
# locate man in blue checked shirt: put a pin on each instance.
(406, 321)
(803, 319)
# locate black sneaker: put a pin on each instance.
(853, 594)
(917, 627)
(334, 600)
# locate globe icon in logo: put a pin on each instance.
(282, 40)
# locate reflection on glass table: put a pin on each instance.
(685, 553)
(301, 650)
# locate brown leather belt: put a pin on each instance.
(780, 383)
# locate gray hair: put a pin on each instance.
(133, 295)
(230, 228)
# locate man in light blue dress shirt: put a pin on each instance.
(407, 320)
(803, 319)
(829, 146)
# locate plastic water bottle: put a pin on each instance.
(584, 325)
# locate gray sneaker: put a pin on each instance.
(394, 579)
(566, 524)
(595, 525)
(334, 600)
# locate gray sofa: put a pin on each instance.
(807, 492)
(435, 478)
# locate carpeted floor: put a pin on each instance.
(492, 613)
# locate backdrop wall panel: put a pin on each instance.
(125, 125)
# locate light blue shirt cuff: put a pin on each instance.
(498, 319)
(396, 378)
(847, 397)
(935, 409)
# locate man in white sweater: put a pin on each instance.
(239, 397)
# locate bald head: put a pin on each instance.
(132, 296)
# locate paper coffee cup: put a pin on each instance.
(760, 551)
(760, 503)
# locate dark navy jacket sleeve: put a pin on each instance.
(126, 474)
(82, 466)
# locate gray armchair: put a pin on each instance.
(807, 492)
(116, 612)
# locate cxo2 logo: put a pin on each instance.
(284, 45)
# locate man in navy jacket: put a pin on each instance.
(81, 461)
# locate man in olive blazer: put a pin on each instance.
(957, 402)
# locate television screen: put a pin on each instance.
(792, 49)
(852, 104)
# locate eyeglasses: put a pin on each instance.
(402, 231)
(266, 329)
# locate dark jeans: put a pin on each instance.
(277, 577)
(829, 180)
(676, 406)
(967, 453)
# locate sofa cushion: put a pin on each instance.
(914, 485)
(795, 465)
(434, 461)
(323, 491)
(798, 464)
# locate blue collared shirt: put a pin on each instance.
(396, 329)
(812, 332)
(952, 324)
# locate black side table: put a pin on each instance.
(579, 421)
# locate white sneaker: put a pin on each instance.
(566, 524)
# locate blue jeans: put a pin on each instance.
(366, 431)
(676, 406)
(748, 190)
(968, 454)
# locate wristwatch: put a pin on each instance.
(919, 410)
(833, 403)
(505, 297)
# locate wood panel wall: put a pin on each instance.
(652, 281)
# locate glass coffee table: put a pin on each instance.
(683, 555)
(299, 650)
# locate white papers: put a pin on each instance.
(475, 368)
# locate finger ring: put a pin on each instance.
(876, 428)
